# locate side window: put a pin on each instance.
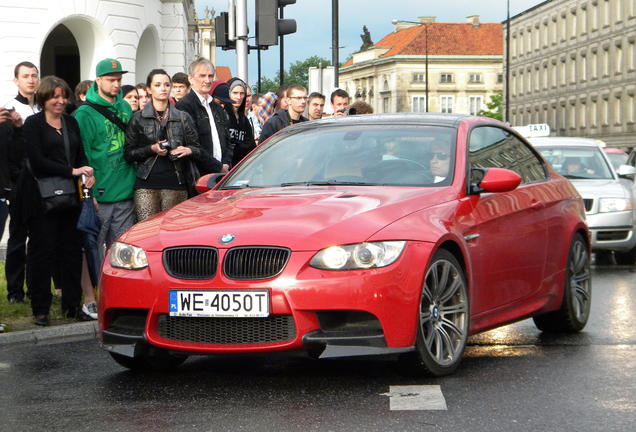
(492, 147)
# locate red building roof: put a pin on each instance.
(223, 73)
(443, 39)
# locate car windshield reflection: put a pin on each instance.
(393, 155)
(578, 162)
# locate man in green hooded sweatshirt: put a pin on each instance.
(101, 120)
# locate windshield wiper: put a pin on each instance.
(327, 183)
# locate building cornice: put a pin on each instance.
(420, 58)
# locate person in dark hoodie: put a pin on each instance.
(241, 133)
(297, 99)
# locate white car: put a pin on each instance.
(608, 194)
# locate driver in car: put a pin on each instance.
(440, 161)
(573, 166)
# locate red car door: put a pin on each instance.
(506, 233)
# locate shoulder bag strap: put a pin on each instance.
(67, 145)
(108, 114)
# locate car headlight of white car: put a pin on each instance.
(607, 205)
(127, 256)
(358, 256)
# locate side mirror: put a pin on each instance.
(494, 180)
(208, 181)
(626, 171)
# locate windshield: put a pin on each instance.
(578, 162)
(617, 159)
(368, 154)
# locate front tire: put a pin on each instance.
(577, 293)
(443, 318)
(626, 258)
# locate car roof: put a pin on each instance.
(414, 118)
(564, 141)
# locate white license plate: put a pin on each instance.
(219, 303)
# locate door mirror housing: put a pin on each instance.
(626, 171)
(494, 180)
(208, 181)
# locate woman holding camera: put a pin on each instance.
(161, 141)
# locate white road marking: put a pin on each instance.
(4, 367)
(416, 397)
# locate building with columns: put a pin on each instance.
(573, 66)
(464, 67)
(68, 38)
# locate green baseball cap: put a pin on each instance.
(108, 66)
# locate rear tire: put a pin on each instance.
(577, 293)
(443, 319)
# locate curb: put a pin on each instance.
(85, 330)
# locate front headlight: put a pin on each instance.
(127, 256)
(358, 256)
(607, 205)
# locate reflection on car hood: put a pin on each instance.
(301, 218)
(593, 189)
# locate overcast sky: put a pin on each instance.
(313, 18)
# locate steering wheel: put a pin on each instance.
(399, 171)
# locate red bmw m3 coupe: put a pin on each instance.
(376, 234)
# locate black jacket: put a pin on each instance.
(6, 136)
(241, 135)
(278, 121)
(144, 130)
(191, 104)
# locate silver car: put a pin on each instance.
(608, 194)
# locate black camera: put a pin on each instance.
(167, 145)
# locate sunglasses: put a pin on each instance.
(440, 156)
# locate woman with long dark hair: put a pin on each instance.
(241, 132)
(54, 150)
(163, 142)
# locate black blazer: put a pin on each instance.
(191, 104)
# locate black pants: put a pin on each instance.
(55, 248)
(16, 255)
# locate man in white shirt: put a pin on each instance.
(209, 118)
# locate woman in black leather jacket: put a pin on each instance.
(163, 143)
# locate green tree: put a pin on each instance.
(495, 107)
(298, 73)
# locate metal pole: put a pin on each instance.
(258, 54)
(334, 42)
(241, 39)
(507, 111)
(281, 15)
(426, 62)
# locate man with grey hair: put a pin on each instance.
(209, 118)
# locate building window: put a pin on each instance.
(386, 105)
(446, 78)
(474, 78)
(617, 111)
(618, 59)
(418, 77)
(631, 54)
(418, 104)
(446, 103)
(573, 71)
(604, 112)
(475, 104)
(629, 112)
(593, 114)
(499, 78)
(606, 62)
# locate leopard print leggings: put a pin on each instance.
(149, 202)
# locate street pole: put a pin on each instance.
(334, 42)
(426, 62)
(281, 15)
(241, 39)
(258, 54)
(507, 111)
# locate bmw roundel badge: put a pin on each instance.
(227, 238)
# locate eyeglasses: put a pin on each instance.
(299, 97)
(440, 156)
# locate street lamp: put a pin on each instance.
(425, 24)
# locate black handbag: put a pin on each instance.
(59, 193)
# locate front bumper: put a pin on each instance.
(612, 231)
(373, 311)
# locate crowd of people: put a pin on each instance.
(139, 149)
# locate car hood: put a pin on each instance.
(592, 189)
(300, 218)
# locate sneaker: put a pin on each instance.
(15, 300)
(89, 310)
(41, 320)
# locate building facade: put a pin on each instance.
(68, 38)
(573, 66)
(464, 63)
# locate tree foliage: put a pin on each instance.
(495, 107)
(298, 73)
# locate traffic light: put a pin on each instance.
(221, 33)
(268, 26)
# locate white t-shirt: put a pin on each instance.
(216, 141)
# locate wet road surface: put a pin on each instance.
(512, 379)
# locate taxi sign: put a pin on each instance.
(534, 130)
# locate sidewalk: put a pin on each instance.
(83, 330)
